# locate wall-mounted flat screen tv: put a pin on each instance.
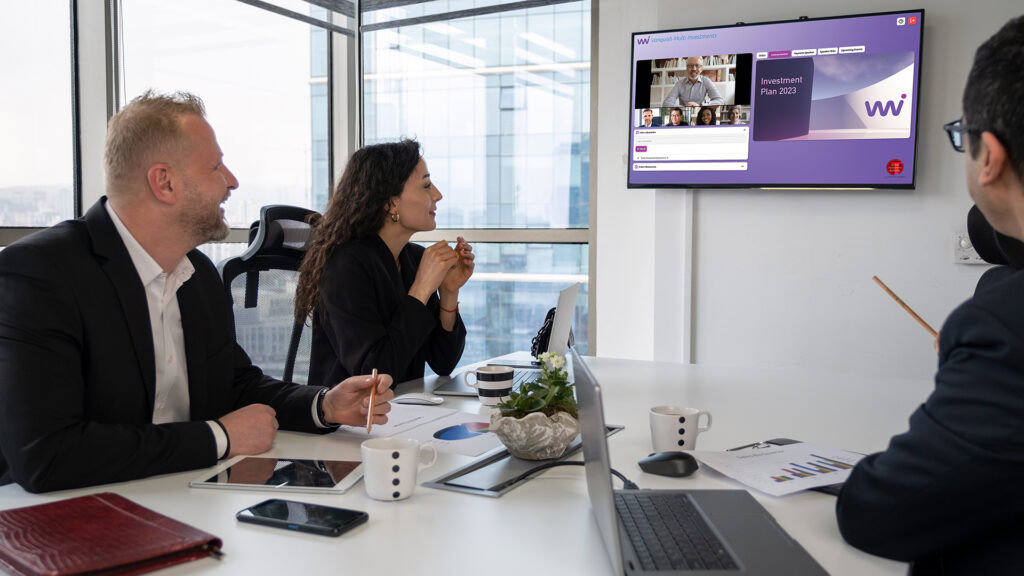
(807, 103)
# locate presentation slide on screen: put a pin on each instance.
(830, 101)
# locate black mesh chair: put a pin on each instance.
(263, 279)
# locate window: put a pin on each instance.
(500, 102)
(263, 71)
(37, 139)
(263, 78)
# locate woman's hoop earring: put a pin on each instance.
(394, 217)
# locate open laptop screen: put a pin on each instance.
(596, 459)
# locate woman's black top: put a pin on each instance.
(366, 318)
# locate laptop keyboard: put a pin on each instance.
(524, 376)
(669, 533)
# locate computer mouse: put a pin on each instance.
(676, 464)
(421, 398)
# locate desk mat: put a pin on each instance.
(497, 472)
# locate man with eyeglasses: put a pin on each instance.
(946, 495)
(692, 90)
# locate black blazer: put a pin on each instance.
(946, 495)
(366, 318)
(77, 374)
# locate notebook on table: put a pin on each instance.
(692, 532)
(97, 534)
(558, 343)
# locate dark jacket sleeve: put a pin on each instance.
(955, 475)
(222, 378)
(444, 348)
(58, 430)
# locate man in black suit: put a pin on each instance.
(117, 354)
(946, 495)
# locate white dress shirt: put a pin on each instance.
(172, 401)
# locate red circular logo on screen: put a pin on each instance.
(894, 167)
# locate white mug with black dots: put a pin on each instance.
(677, 427)
(390, 466)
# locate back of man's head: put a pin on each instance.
(145, 131)
(995, 91)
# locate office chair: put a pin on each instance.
(264, 278)
(993, 247)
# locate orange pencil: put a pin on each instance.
(373, 398)
(905, 307)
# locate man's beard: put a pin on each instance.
(202, 222)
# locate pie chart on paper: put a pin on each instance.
(463, 431)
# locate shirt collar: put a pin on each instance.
(147, 268)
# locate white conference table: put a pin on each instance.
(545, 526)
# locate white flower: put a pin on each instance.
(552, 362)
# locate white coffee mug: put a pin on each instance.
(677, 427)
(390, 465)
(493, 383)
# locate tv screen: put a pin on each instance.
(808, 103)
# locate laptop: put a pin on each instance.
(731, 532)
(561, 326)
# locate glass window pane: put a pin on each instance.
(36, 138)
(512, 288)
(263, 79)
(500, 103)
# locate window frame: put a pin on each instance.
(95, 54)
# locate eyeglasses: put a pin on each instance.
(955, 130)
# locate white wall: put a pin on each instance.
(783, 278)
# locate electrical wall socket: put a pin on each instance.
(963, 250)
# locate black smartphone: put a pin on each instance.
(303, 517)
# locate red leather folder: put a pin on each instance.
(97, 534)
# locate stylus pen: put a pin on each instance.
(905, 307)
(373, 398)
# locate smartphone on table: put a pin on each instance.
(303, 517)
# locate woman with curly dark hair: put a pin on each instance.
(377, 301)
(707, 116)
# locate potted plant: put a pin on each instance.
(538, 421)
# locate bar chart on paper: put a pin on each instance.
(821, 465)
(781, 470)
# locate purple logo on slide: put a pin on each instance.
(641, 148)
(643, 40)
(885, 108)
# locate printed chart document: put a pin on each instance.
(781, 470)
(459, 433)
(448, 430)
(401, 418)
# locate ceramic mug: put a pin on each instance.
(677, 427)
(390, 466)
(493, 383)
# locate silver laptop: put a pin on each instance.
(694, 532)
(561, 325)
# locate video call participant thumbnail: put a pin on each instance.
(648, 119)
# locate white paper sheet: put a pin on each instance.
(459, 433)
(402, 417)
(781, 470)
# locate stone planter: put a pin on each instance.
(535, 436)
